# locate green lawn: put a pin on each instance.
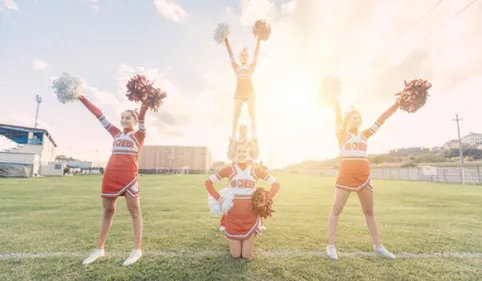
(62, 214)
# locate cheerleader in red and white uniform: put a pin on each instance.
(121, 177)
(244, 85)
(241, 223)
(354, 174)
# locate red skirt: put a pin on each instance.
(244, 90)
(240, 222)
(354, 176)
(116, 183)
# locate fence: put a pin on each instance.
(469, 175)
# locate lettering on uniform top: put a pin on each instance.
(356, 146)
(243, 183)
(124, 143)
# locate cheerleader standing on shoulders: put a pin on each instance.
(354, 174)
(244, 86)
(241, 223)
(120, 178)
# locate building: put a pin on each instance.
(34, 148)
(473, 139)
(451, 144)
(174, 159)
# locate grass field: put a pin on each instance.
(60, 217)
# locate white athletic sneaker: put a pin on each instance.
(222, 228)
(97, 253)
(382, 252)
(135, 255)
(331, 252)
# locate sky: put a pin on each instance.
(371, 45)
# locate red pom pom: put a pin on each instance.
(414, 95)
(261, 203)
(262, 30)
(139, 89)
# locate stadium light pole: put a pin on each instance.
(461, 150)
(39, 101)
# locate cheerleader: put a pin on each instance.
(241, 224)
(354, 174)
(120, 178)
(244, 86)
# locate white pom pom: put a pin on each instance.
(222, 31)
(214, 206)
(68, 88)
(228, 197)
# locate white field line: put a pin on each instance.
(459, 255)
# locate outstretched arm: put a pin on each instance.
(255, 57)
(340, 125)
(254, 149)
(113, 130)
(275, 185)
(225, 172)
(231, 149)
(141, 133)
(374, 128)
(231, 56)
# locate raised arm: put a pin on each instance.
(113, 130)
(255, 57)
(225, 172)
(231, 56)
(231, 149)
(374, 128)
(339, 125)
(254, 149)
(264, 175)
(141, 133)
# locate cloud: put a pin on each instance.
(10, 5)
(94, 4)
(40, 65)
(170, 10)
(252, 10)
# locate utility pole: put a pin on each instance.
(461, 149)
(39, 101)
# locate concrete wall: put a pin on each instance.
(53, 169)
(469, 175)
(174, 157)
(22, 158)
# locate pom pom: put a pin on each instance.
(414, 95)
(261, 204)
(214, 206)
(227, 204)
(139, 89)
(228, 197)
(68, 88)
(221, 32)
(330, 90)
(262, 30)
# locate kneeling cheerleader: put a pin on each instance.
(244, 205)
